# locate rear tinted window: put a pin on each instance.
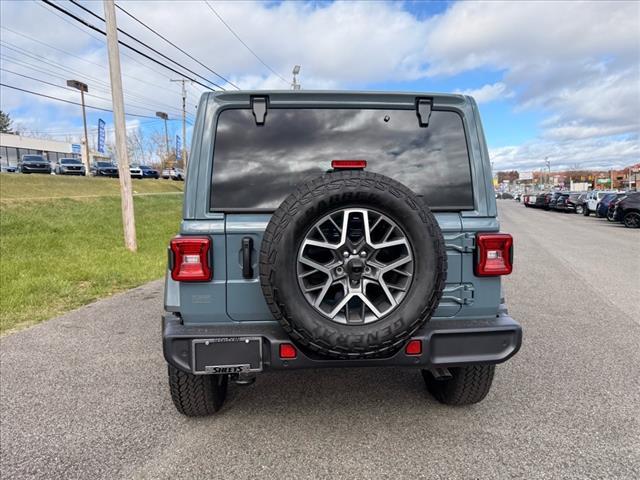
(256, 167)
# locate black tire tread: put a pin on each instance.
(196, 395)
(469, 385)
(279, 221)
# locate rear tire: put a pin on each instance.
(632, 220)
(197, 395)
(468, 385)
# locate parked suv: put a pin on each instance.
(70, 166)
(592, 199)
(34, 164)
(329, 229)
(627, 210)
(104, 169)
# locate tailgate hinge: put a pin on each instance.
(259, 108)
(467, 242)
(462, 294)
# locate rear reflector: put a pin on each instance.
(348, 164)
(190, 262)
(494, 255)
(414, 347)
(287, 351)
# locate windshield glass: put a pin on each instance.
(70, 161)
(33, 158)
(144, 167)
(105, 164)
(295, 145)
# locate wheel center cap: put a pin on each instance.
(355, 268)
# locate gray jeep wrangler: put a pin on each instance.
(337, 229)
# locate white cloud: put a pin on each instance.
(488, 93)
(576, 62)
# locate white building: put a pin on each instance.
(13, 147)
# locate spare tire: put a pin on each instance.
(352, 264)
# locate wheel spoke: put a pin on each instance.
(316, 243)
(395, 265)
(310, 263)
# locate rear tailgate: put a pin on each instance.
(245, 301)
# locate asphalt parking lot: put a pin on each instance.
(85, 395)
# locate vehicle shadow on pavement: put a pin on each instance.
(318, 391)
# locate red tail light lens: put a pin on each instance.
(494, 255)
(190, 262)
(414, 347)
(348, 164)
(287, 351)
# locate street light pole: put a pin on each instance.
(83, 88)
(165, 117)
(548, 163)
(295, 85)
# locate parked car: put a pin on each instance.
(561, 202)
(627, 210)
(592, 199)
(135, 171)
(9, 168)
(148, 172)
(338, 265)
(602, 207)
(611, 210)
(173, 173)
(104, 169)
(542, 201)
(575, 203)
(552, 199)
(34, 164)
(70, 166)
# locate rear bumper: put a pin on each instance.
(445, 343)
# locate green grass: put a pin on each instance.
(14, 187)
(58, 254)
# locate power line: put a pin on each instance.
(69, 101)
(101, 65)
(43, 60)
(90, 12)
(71, 89)
(175, 46)
(243, 43)
(102, 40)
(93, 27)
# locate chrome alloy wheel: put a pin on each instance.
(355, 265)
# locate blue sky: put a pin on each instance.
(556, 79)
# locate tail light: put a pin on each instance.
(494, 254)
(348, 164)
(189, 261)
(414, 347)
(287, 351)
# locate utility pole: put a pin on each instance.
(126, 195)
(184, 120)
(165, 117)
(83, 87)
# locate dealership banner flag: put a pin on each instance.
(178, 148)
(101, 135)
